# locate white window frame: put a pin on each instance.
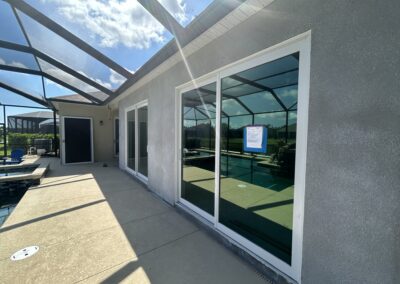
(135, 171)
(63, 139)
(192, 85)
(115, 137)
(302, 44)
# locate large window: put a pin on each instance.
(254, 197)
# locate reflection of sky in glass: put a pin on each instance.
(288, 95)
(261, 102)
(232, 107)
(276, 119)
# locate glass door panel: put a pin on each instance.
(130, 116)
(257, 190)
(142, 141)
(198, 147)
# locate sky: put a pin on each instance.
(121, 29)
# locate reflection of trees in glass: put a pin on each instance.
(201, 135)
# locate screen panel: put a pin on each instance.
(62, 50)
(18, 59)
(9, 28)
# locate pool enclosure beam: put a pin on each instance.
(20, 70)
(62, 83)
(25, 34)
(64, 33)
(4, 132)
(164, 17)
(55, 133)
(28, 96)
(218, 10)
(36, 53)
(259, 86)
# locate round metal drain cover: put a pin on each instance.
(25, 253)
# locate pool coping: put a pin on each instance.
(38, 173)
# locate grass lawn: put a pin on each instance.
(2, 152)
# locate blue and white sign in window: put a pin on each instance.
(255, 139)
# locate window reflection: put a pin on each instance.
(256, 190)
(198, 147)
(131, 139)
(142, 129)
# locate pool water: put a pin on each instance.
(11, 192)
(17, 171)
(5, 211)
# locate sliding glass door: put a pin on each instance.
(131, 138)
(242, 156)
(198, 147)
(142, 141)
(136, 140)
(257, 187)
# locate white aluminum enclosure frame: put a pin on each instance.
(135, 171)
(301, 44)
(63, 139)
(115, 137)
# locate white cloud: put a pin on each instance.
(104, 84)
(176, 8)
(18, 64)
(115, 22)
(67, 78)
(13, 63)
(116, 78)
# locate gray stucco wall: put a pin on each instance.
(351, 219)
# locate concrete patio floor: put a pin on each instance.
(98, 225)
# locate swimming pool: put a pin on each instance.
(16, 171)
(15, 180)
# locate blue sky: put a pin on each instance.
(122, 30)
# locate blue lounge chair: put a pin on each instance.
(16, 156)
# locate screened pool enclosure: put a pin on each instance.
(49, 62)
(47, 59)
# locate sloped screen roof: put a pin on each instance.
(89, 51)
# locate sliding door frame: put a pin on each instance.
(137, 133)
(134, 171)
(301, 44)
(192, 85)
(116, 155)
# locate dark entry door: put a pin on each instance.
(78, 140)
